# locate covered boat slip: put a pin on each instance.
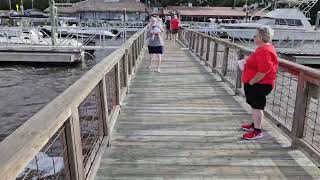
(184, 123)
(122, 121)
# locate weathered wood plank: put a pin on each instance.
(183, 123)
(196, 172)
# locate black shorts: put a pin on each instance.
(174, 31)
(155, 49)
(256, 95)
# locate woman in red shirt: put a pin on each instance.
(174, 26)
(259, 75)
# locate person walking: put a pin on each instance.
(174, 26)
(155, 42)
(168, 30)
(259, 76)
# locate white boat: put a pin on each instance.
(288, 24)
(65, 30)
(31, 36)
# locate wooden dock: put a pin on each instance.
(184, 123)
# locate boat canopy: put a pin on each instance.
(287, 15)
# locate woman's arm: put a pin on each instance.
(161, 28)
(258, 77)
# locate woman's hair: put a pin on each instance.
(265, 33)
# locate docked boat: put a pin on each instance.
(31, 36)
(288, 24)
(65, 30)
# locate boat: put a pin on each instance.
(31, 36)
(65, 30)
(287, 23)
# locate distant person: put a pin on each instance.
(259, 76)
(217, 21)
(168, 31)
(174, 26)
(155, 44)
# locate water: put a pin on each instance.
(26, 88)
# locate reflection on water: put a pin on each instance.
(26, 88)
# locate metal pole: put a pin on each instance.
(53, 23)
(317, 21)
(10, 5)
(246, 9)
(22, 7)
(125, 15)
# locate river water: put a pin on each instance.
(26, 88)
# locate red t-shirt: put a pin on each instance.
(174, 24)
(263, 60)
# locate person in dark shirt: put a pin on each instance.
(167, 23)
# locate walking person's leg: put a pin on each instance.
(150, 62)
(159, 61)
(167, 34)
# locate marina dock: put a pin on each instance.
(122, 121)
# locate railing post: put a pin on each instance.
(126, 68)
(215, 56)
(208, 51)
(137, 48)
(130, 57)
(140, 44)
(133, 55)
(193, 41)
(104, 108)
(118, 85)
(201, 48)
(225, 60)
(299, 110)
(136, 52)
(74, 146)
(238, 75)
(198, 43)
(190, 40)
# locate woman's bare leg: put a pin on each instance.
(159, 62)
(257, 116)
(150, 62)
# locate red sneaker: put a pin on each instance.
(247, 127)
(253, 135)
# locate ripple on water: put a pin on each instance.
(26, 88)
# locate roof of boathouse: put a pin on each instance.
(210, 11)
(102, 6)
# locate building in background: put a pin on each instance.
(108, 10)
(203, 14)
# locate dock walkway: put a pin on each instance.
(184, 123)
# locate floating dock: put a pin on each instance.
(40, 54)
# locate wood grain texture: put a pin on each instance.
(184, 124)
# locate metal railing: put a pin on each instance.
(64, 139)
(294, 104)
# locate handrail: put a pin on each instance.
(23, 144)
(293, 105)
(283, 62)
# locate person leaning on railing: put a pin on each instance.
(259, 75)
